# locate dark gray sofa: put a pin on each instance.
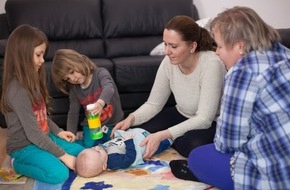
(115, 34)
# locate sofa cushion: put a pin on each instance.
(93, 48)
(131, 46)
(73, 24)
(137, 20)
(158, 50)
(70, 19)
(123, 18)
(132, 77)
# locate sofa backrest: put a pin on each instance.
(135, 27)
(99, 28)
(75, 24)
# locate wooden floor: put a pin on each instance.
(3, 137)
(4, 161)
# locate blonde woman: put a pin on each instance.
(252, 145)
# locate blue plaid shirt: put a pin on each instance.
(255, 120)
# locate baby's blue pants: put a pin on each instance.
(41, 165)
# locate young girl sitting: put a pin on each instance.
(38, 147)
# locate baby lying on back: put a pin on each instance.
(119, 153)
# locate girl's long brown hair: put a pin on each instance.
(19, 64)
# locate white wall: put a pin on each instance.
(274, 12)
(2, 4)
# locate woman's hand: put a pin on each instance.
(68, 160)
(152, 142)
(67, 135)
(124, 124)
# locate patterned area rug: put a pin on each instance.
(154, 174)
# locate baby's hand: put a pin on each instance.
(129, 135)
(98, 148)
(79, 135)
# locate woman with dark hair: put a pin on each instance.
(194, 74)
